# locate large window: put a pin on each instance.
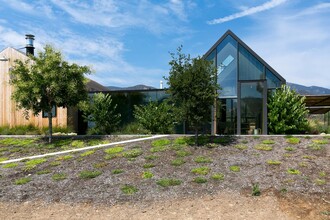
(249, 67)
(272, 81)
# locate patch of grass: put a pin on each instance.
(117, 171)
(320, 182)
(245, 141)
(183, 153)
(183, 141)
(256, 137)
(303, 164)
(241, 146)
(235, 168)
(166, 182)
(17, 141)
(65, 157)
(133, 153)
(114, 150)
(147, 175)
(177, 162)
(308, 157)
(315, 147)
(289, 149)
(95, 142)
(3, 149)
(23, 181)
(160, 148)
(322, 174)
(201, 170)
(307, 137)
(293, 171)
(78, 144)
(199, 179)
(89, 174)
(151, 157)
(318, 141)
(274, 162)
(3, 159)
(100, 165)
(263, 147)
(218, 176)
(55, 163)
(268, 142)
(41, 172)
(31, 164)
(202, 159)
(59, 176)
(160, 142)
(256, 190)
(129, 189)
(87, 153)
(148, 165)
(293, 140)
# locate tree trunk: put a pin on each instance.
(196, 136)
(50, 127)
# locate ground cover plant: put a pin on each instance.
(182, 170)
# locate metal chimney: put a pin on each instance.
(29, 44)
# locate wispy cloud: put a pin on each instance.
(248, 11)
(319, 8)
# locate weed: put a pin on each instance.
(293, 140)
(235, 168)
(177, 162)
(3, 159)
(315, 147)
(88, 174)
(218, 176)
(178, 147)
(147, 175)
(133, 153)
(322, 174)
(129, 189)
(100, 165)
(293, 171)
(65, 157)
(17, 142)
(160, 148)
(287, 155)
(283, 190)
(111, 156)
(117, 171)
(148, 165)
(168, 182)
(325, 213)
(10, 165)
(160, 142)
(114, 150)
(288, 136)
(23, 180)
(87, 153)
(55, 163)
(77, 144)
(199, 179)
(183, 153)
(241, 147)
(303, 164)
(308, 157)
(317, 141)
(289, 149)
(30, 164)
(95, 142)
(151, 157)
(3, 149)
(263, 147)
(201, 170)
(59, 176)
(256, 190)
(41, 172)
(320, 182)
(183, 141)
(274, 162)
(202, 159)
(268, 142)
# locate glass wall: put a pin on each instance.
(227, 122)
(272, 81)
(249, 67)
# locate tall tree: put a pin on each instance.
(287, 112)
(193, 88)
(47, 81)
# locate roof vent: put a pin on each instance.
(29, 44)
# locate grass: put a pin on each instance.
(199, 179)
(256, 190)
(274, 162)
(202, 159)
(315, 146)
(308, 157)
(235, 168)
(201, 170)
(59, 176)
(263, 147)
(117, 171)
(183, 141)
(322, 174)
(241, 146)
(293, 171)
(268, 142)
(31, 164)
(293, 140)
(320, 182)
(218, 176)
(78, 144)
(133, 153)
(289, 149)
(87, 153)
(183, 153)
(147, 175)
(3, 159)
(166, 182)
(23, 142)
(42, 172)
(65, 157)
(148, 165)
(114, 150)
(100, 165)
(318, 141)
(160, 142)
(55, 163)
(160, 148)
(10, 165)
(89, 174)
(177, 162)
(23, 181)
(129, 189)
(151, 157)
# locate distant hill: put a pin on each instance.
(309, 90)
(137, 87)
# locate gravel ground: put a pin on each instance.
(283, 195)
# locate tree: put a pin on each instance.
(193, 88)
(287, 112)
(155, 117)
(102, 112)
(47, 81)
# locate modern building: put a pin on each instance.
(245, 79)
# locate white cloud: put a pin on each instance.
(248, 11)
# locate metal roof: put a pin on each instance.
(317, 104)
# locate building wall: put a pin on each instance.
(9, 114)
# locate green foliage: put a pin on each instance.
(183, 141)
(235, 168)
(88, 174)
(100, 165)
(183, 153)
(287, 112)
(201, 170)
(147, 175)
(148, 165)
(151, 157)
(218, 176)
(289, 149)
(129, 189)
(293, 171)
(155, 117)
(45, 81)
(263, 147)
(202, 159)
(10, 165)
(134, 128)
(133, 153)
(293, 140)
(177, 162)
(77, 143)
(59, 176)
(268, 142)
(241, 147)
(41, 172)
(17, 141)
(160, 142)
(103, 113)
(65, 157)
(114, 150)
(273, 162)
(20, 130)
(117, 171)
(87, 153)
(317, 141)
(35, 162)
(23, 181)
(256, 190)
(192, 88)
(168, 182)
(199, 179)
(320, 182)
(3, 159)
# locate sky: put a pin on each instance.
(127, 42)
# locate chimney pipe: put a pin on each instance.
(29, 44)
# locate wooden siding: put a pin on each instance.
(9, 114)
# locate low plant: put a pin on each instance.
(218, 176)
(55, 163)
(308, 157)
(199, 179)
(87, 153)
(78, 144)
(133, 153)
(274, 162)
(201, 170)
(35, 162)
(151, 157)
(289, 149)
(147, 175)
(160, 148)
(100, 165)
(89, 174)
(114, 150)
(129, 189)
(318, 141)
(241, 146)
(293, 140)
(65, 157)
(59, 176)
(23, 181)
(235, 168)
(177, 162)
(322, 174)
(95, 142)
(41, 172)
(117, 171)
(23, 142)
(303, 164)
(256, 190)
(148, 165)
(263, 147)
(320, 182)
(293, 171)
(160, 142)
(3, 159)
(10, 165)
(268, 142)
(166, 182)
(183, 141)
(183, 153)
(202, 159)
(245, 141)
(315, 146)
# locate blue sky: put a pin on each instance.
(128, 42)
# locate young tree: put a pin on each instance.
(102, 112)
(193, 88)
(287, 112)
(47, 81)
(155, 117)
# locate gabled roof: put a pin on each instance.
(229, 32)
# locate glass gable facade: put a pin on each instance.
(244, 79)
